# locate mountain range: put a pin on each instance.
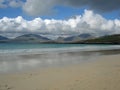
(73, 39)
(3, 38)
(31, 38)
(108, 39)
(82, 39)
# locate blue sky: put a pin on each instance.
(59, 17)
(62, 12)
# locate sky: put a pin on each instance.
(53, 18)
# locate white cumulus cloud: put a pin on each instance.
(88, 22)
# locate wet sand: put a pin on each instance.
(102, 73)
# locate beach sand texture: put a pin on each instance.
(100, 74)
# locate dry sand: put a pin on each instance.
(100, 74)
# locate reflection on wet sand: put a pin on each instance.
(11, 63)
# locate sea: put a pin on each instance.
(37, 48)
(22, 57)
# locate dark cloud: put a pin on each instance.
(106, 5)
(100, 5)
(36, 7)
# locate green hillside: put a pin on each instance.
(110, 39)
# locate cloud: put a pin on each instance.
(2, 5)
(11, 3)
(39, 7)
(101, 5)
(88, 22)
(15, 3)
(45, 7)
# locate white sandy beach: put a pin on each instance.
(100, 74)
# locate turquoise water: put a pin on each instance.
(15, 57)
(5, 46)
(20, 48)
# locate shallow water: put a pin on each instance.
(23, 48)
(24, 57)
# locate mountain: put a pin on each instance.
(85, 36)
(109, 39)
(81, 39)
(88, 39)
(31, 38)
(60, 40)
(3, 38)
(73, 39)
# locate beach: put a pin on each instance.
(59, 45)
(100, 73)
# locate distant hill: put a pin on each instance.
(72, 39)
(60, 39)
(88, 39)
(3, 38)
(31, 38)
(80, 39)
(85, 36)
(109, 39)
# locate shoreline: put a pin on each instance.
(86, 48)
